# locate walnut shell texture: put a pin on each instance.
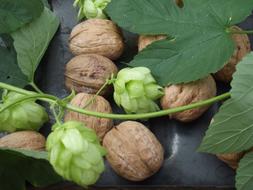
(97, 36)
(184, 94)
(242, 49)
(100, 125)
(232, 159)
(88, 73)
(144, 41)
(133, 151)
(29, 140)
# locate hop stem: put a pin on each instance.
(55, 100)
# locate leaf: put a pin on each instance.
(232, 129)
(32, 41)
(178, 60)
(16, 13)
(20, 169)
(9, 70)
(244, 176)
(202, 43)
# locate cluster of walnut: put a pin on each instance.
(133, 151)
(95, 43)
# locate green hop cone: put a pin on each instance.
(91, 8)
(136, 90)
(26, 115)
(75, 153)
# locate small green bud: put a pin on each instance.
(75, 153)
(91, 8)
(26, 115)
(135, 89)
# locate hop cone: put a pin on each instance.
(26, 115)
(136, 90)
(75, 153)
(91, 8)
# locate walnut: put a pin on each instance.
(184, 94)
(29, 140)
(232, 159)
(133, 151)
(100, 125)
(144, 41)
(97, 36)
(242, 48)
(88, 73)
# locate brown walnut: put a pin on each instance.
(100, 125)
(232, 159)
(144, 41)
(29, 140)
(184, 94)
(97, 36)
(133, 151)
(242, 43)
(88, 73)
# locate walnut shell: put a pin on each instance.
(29, 140)
(232, 159)
(133, 151)
(97, 36)
(100, 125)
(88, 73)
(144, 41)
(184, 94)
(242, 48)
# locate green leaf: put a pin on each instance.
(232, 129)
(180, 60)
(9, 70)
(16, 169)
(244, 174)
(201, 45)
(16, 13)
(32, 41)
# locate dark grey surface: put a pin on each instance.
(183, 166)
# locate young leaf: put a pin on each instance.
(16, 13)
(202, 41)
(244, 174)
(32, 41)
(232, 129)
(21, 169)
(9, 70)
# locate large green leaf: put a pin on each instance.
(32, 41)
(16, 13)
(9, 70)
(244, 174)
(179, 60)
(202, 43)
(232, 129)
(19, 168)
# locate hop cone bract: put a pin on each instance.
(136, 90)
(27, 115)
(75, 153)
(91, 8)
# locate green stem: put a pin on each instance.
(22, 99)
(95, 96)
(35, 87)
(52, 99)
(240, 32)
(152, 114)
